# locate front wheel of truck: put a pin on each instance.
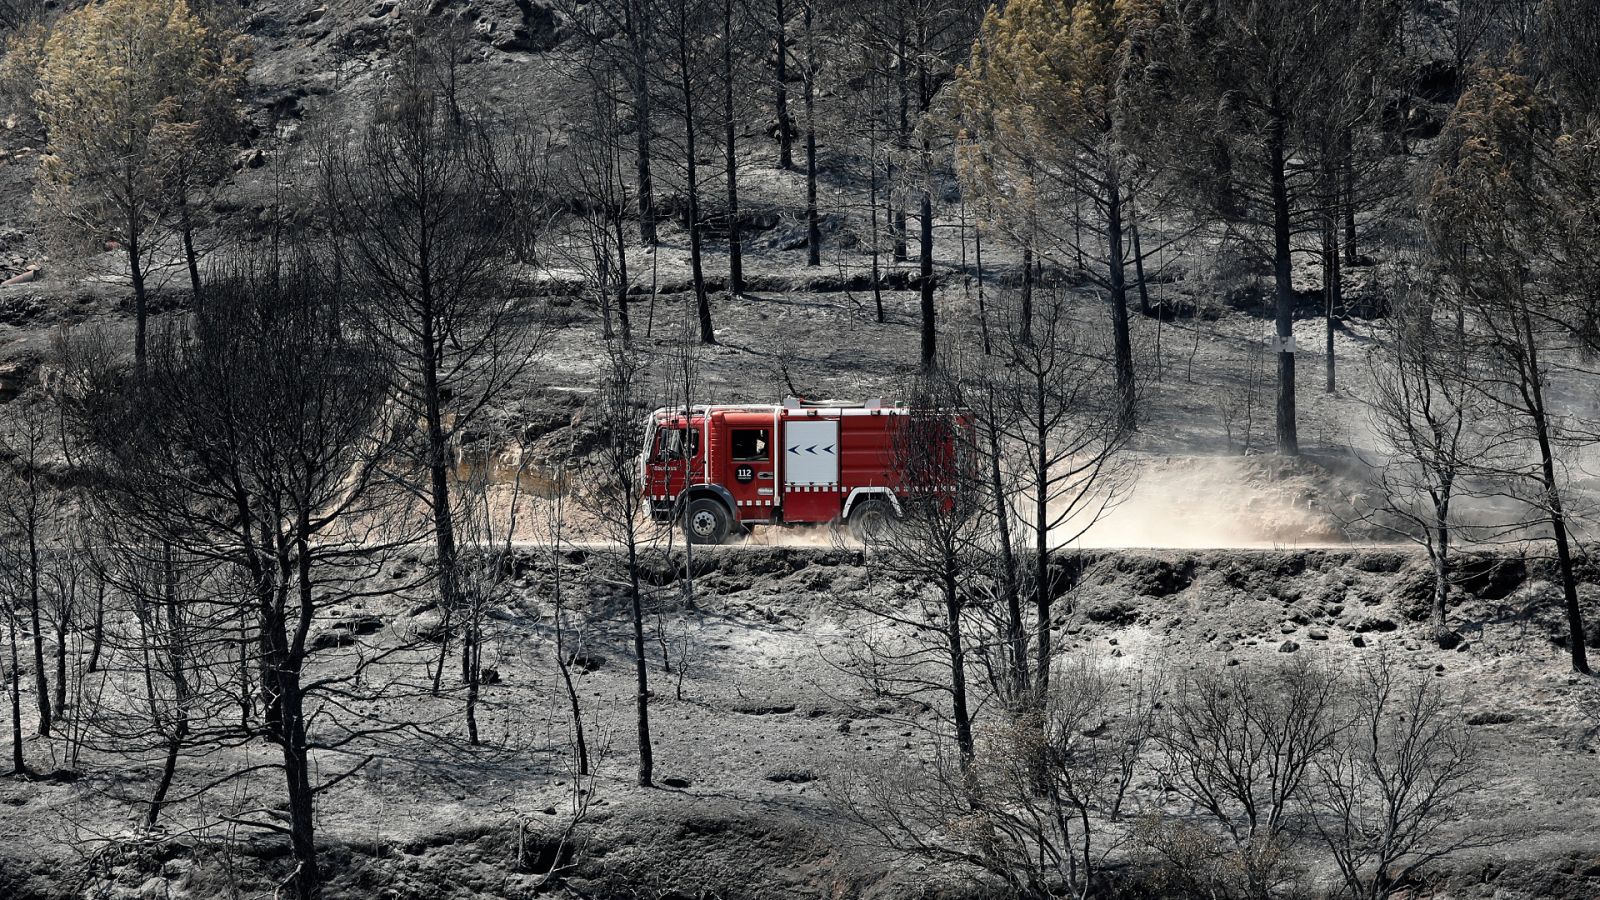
(706, 521)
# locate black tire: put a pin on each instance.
(870, 519)
(706, 521)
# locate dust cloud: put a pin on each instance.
(1222, 502)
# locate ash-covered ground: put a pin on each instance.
(764, 724)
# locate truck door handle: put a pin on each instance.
(765, 476)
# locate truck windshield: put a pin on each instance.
(676, 442)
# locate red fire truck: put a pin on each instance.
(723, 468)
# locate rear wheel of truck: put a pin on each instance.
(706, 521)
(871, 519)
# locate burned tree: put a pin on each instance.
(690, 56)
(253, 442)
(936, 528)
(1058, 413)
(590, 168)
(165, 694)
(1243, 81)
(30, 506)
(1241, 747)
(1502, 237)
(1433, 423)
(1391, 784)
(623, 53)
(1034, 809)
(613, 497)
(425, 208)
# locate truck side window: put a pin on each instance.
(675, 444)
(750, 445)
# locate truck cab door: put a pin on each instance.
(673, 462)
(751, 470)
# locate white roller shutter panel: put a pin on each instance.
(811, 452)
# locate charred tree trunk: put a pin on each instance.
(1288, 437)
(691, 161)
(558, 600)
(1441, 572)
(41, 681)
(641, 671)
(190, 258)
(958, 663)
(902, 143)
(983, 312)
(702, 300)
(1043, 598)
(813, 220)
(444, 531)
(1138, 265)
(872, 206)
(18, 765)
(636, 23)
(930, 330)
(63, 628)
(306, 881)
(97, 635)
(781, 89)
(1026, 315)
(286, 727)
(1332, 291)
(622, 282)
(473, 644)
(730, 140)
(1533, 390)
(177, 731)
(140, 307)
(1123, 349)
(1016, 631)
(1348, 208)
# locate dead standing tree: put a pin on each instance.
(166, 693)
(426, 208)
(1059, 413)
(254, 444)
(1495, 219)
(613, 496)
(589, 168)
(1241, 747)
(29, 509)
(1435, 430)
(1034, 808)
(621, 51)
(1394, 780)
(935, 542)
(687, 31)
(489, 516)
(568, 646)
(912, 46)
(10, 608)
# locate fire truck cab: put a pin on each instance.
(723, 468)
